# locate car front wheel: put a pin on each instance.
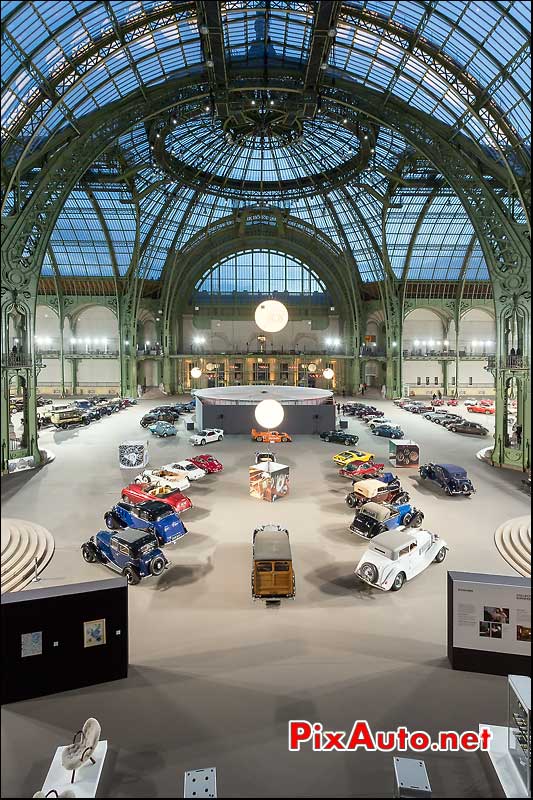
(131, 575)
(284, 439)
(453, 429)
(112, 522)
(407, 519)
(88, 552)
(220, 438)
(441, 555)
(399, 581)
(259, 439)
(327, 439)
(418, 520)
(351, 501)
(157, 566)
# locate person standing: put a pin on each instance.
(383, 391)
(439, 394)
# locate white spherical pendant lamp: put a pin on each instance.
(311, 368)
(210, 367)
(271, 316)
(328, 374)
(196, 372)
(269, 414)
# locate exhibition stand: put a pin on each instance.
(86, 779)
(404, 453)
(269, 481)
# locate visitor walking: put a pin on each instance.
(439, 393)
(434, 396)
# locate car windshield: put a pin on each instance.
(189, 467)
(202, 433)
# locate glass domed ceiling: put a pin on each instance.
(267, 151)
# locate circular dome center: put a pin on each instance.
(263, 149)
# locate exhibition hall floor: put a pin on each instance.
(215, 678)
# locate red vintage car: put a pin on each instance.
(437, 402)
(481, 409)
(486, 402)
(139, 492)
(357, 471)
(452, 401)
(207, 462)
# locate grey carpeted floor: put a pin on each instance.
(214, 677)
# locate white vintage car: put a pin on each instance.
(207, 435)
(164, 477)
(187, 468)
(373, 421)
(397, 556)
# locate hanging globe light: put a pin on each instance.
(210, 367)
(269, 414)
(311, 368)
(196, 372)
(328, 374)
(271, 316)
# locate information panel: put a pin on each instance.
(488, 614)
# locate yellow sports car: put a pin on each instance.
(349, 456)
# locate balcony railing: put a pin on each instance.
(508, 362)
(20, 360)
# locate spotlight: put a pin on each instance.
(208, 108)
(332, 33)
(253, 102)
(173, 120)
(210, 63)
(271, 102)
(345, 120)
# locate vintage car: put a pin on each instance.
(162, 429)
(164, 477)
(89, 408)
(208, 463)
(270, 436)
(392, 431)
(466, 426)
(188, 468)
(482, 409)
(394, 557)
(272, 571)
(339, 436)
(135, 554)
(450, 477)
(373, 421)
(452, 401)
(358, 471)
(159, 416)
(139, 492)
(438, 412)
(486, 401)
(65, 417)
(402, 401)
(262, 456)
(377, 491)
(348, 456)
(369, 411)
(447, 419)
(152, 515)
(437, 401)
(372, 519)
(207, 435)
(172, 411)
(419, 408)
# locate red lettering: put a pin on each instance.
(385, 740)
(317, 736)
(361, 736)
(402, 735)
(470, 740)
(299, 731)
(449, 740)
(333, 740)
(420, 740)
(485, 736)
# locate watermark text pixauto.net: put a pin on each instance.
(361, 737)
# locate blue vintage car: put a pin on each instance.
(152, 515)
(163, 429)
(135, 554)
(374, 518)
(392, 431)
(450, 477)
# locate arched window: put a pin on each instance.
(253, 274)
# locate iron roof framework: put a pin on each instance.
(64, 64)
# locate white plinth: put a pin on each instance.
(86, 778)
(504, 766)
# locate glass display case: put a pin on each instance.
(519, 722)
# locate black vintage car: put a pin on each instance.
(173, 411)
(340, 436)
(450, 477)
(157, 416)
(465, 426)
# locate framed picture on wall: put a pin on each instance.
(31, 644)
(94, 633)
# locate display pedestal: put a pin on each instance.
(86, 779)
(404, 453)
(504, 766)
(269, 481)
(133, 455)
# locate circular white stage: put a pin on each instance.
(232, 408)
(251, 395)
